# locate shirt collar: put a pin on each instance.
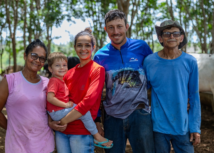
(122, 47)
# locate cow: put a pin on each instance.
(206, 73)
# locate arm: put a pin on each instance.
(55, 125)
(70, 117)
(53, 100)
(195, 107)
(93, 93)
(146, 50)
(4, 92)
(145, 71)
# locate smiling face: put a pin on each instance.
(116, 30)
(58, 68)
(171, 42)
(84, 48)
(32, 64)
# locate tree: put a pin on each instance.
(199, 17)
(11, 8)
(2, 26)
(53, 16)
(96, 10)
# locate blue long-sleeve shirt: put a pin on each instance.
(125, 78)
(173, 82)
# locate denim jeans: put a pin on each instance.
(180, 143)
(68, 143)
(137, 127)
(86, 119)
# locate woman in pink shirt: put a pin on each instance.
(24, 95)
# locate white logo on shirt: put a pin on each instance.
(133, 59)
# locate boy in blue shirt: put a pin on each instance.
(173, 76)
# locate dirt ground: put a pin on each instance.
(207, 136)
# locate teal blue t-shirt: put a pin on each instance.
(173, 82)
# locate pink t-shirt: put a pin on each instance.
(27, 125)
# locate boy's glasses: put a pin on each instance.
(35, 56)
(168, 34)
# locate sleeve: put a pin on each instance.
(10, 81)
(99, 111)
(146, 49)
(94, 91)
(145, 71)
(96, 59)
(194, 100)
(52, 86)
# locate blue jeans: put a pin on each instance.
(137, 127)
(180, 143)
(86, 119)
(68, 143)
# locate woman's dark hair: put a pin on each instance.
(87, 32)
(34, 44)
(115, 14)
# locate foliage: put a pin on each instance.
(36, 18)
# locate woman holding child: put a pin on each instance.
(24, 95)
(85, 83)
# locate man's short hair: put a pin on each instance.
(115, 14)
(56, 56)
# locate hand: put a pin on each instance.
(195, 138)
(69, 104)
(100, 129)
(55, 125)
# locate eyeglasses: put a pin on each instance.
(168, 34)
(35, 56)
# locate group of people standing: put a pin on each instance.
(128, 68)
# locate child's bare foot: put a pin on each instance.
(102, 142)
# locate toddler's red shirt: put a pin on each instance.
(59, 88)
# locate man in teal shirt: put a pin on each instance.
(173, 76)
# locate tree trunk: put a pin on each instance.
(13, 33)
(212, 43)
(49, 31)
(123, 5)
(14, 53)
(38, 31)
(205, 26)
(170, 9)
(25, 24)
(1, 54)
(135, 5)
(153, 43)
(9, 55)
(193, 24)
(30, 24)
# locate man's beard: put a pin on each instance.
(118, 43)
